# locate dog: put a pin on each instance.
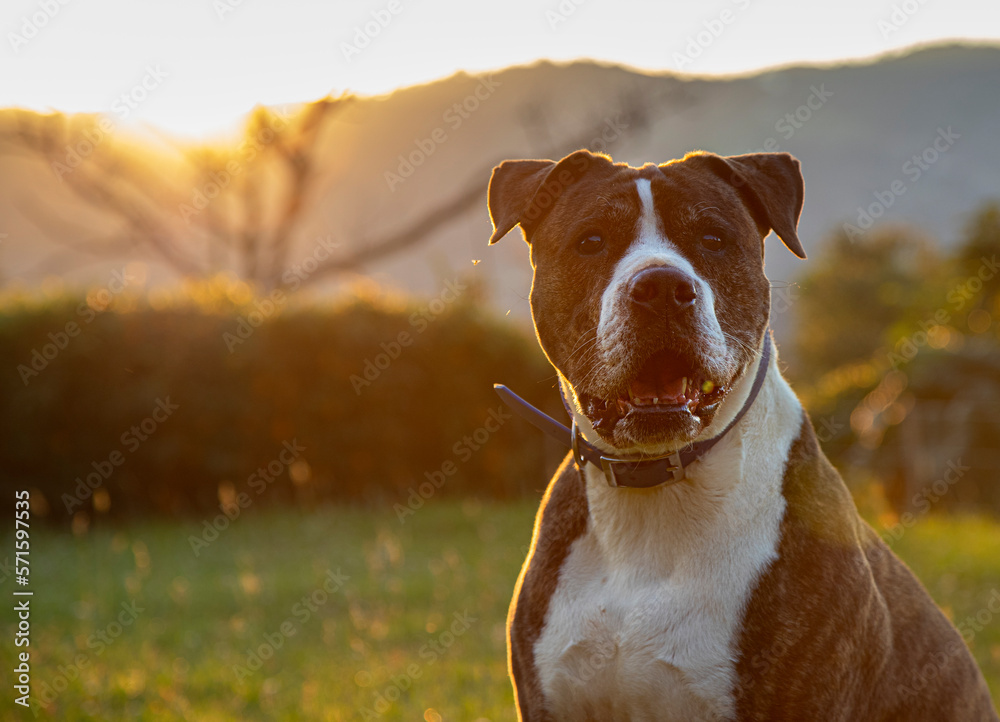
(696, 556)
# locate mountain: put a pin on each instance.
(911, 138)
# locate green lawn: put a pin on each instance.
(418, 621)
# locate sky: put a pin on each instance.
(193, 67)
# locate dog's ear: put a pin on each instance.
(512, 186)
(771, 186)
(523, 191)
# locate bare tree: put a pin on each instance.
(216, 222)
(247, 202)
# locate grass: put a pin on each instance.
(386, 628)
(388, 631)
(958, 560)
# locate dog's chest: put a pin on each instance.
(644, 623)
(630, 649)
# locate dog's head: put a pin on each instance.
(649, 295)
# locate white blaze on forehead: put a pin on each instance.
(648, 225)
(651, 247)
(651, 243)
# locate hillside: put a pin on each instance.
(855, 128)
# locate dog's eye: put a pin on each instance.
(713, 242)
(590, 245)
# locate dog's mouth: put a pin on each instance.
(667, 383)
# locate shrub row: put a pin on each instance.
(168, 410)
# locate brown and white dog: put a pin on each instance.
(751, 589)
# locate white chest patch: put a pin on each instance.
(645, 620)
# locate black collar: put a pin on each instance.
(641, 473)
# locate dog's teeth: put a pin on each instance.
(684, 385)
(707, 387)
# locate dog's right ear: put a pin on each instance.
(522, 192)
(512, 186)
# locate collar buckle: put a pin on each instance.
(669, 467)
(670, 472)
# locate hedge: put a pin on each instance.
(173, 407)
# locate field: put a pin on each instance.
(337, 614)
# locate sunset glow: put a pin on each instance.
(212, 60)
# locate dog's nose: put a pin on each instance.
(662, 289)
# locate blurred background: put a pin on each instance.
(249, 322)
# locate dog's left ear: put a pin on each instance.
(771, 186)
